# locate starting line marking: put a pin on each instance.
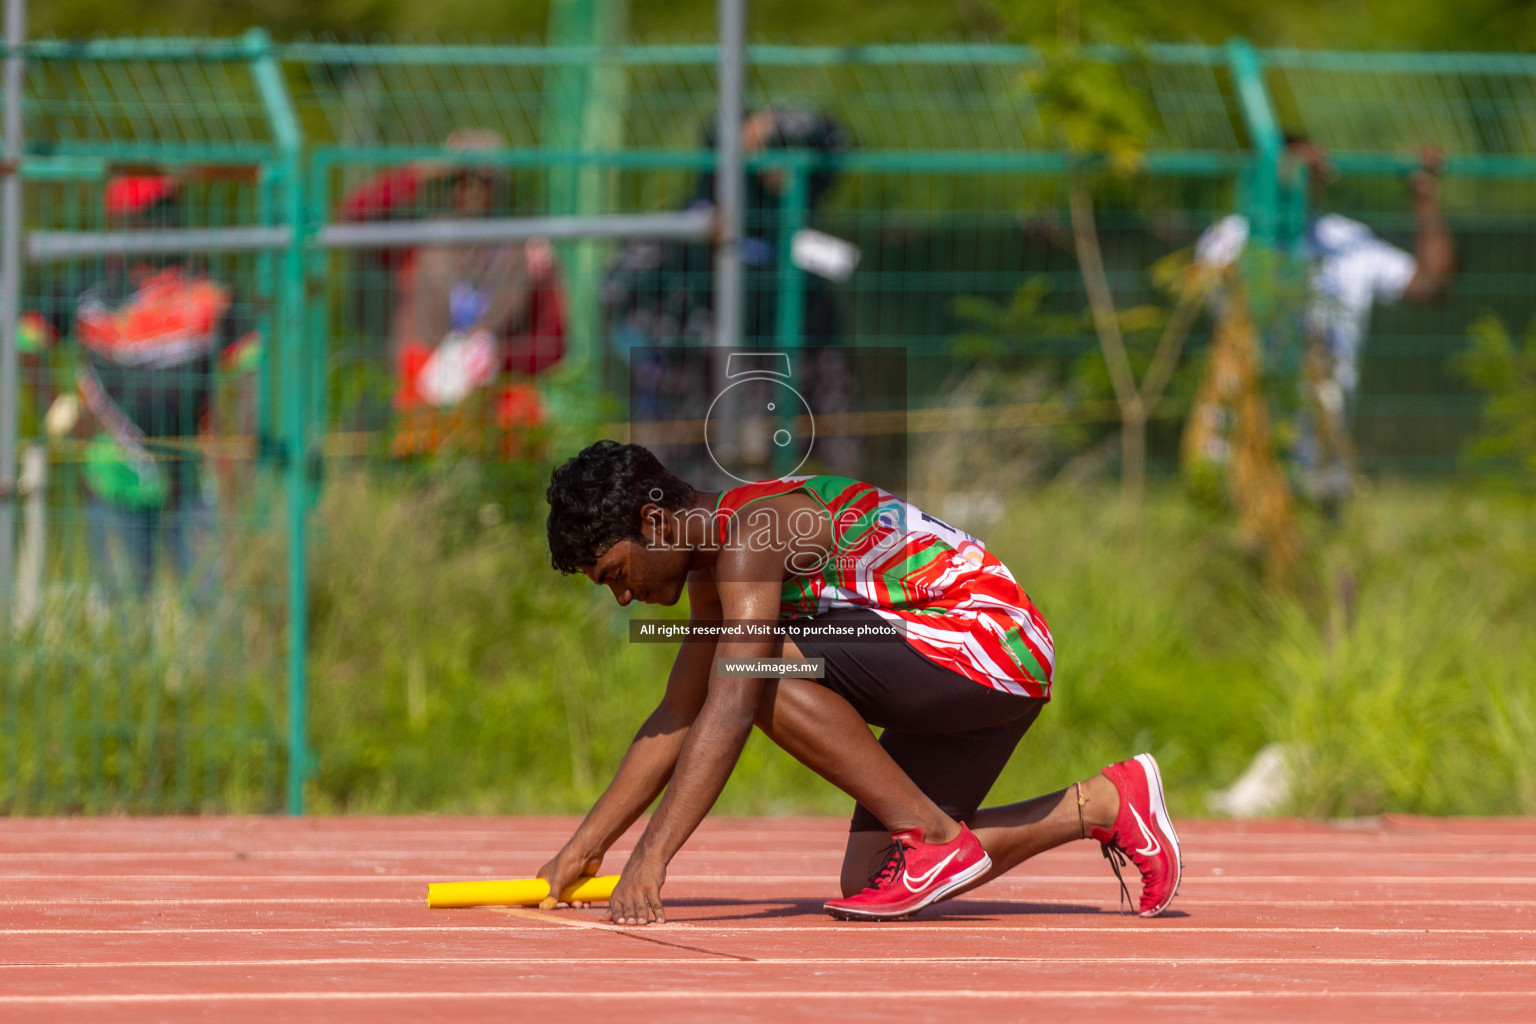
(1458, 853)
(195, 900)
(776, 995)
(950, 928)
(1193, 901)
(1031, 880)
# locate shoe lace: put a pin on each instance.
(895, 861)
(1117, 859)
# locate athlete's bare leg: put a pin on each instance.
(822, 731)
(1013, 833)
(1010, 833)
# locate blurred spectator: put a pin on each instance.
(1349, 269)
(463, 315)
(762, 215)
(661, 294)
(148, 332)
(36, 385)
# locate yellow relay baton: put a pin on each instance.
(517, 892)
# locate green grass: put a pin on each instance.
(141, 705)
(453, 670)
(1426, 700)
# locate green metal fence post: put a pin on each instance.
(266, 285)
(1263, 192)
(296, 407)
(1294, 192)
(317, 304)
(789, 308)
(10, 296)
(584, 111)
(571, 23)
(313, 190)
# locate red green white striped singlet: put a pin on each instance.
(960, 606)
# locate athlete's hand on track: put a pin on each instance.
(563, 869)
(637, 897)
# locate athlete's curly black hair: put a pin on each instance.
(595, 500)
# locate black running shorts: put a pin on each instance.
(950, 734)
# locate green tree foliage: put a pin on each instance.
(1092, 106)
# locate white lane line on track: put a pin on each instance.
(380, 878)
(554, 917)
(137, 901)
(20, 843)
(1233, 862)
(783, 961)
(1263, 901)
(1459, 854)
(424, 879)
(758, 880)
(957, 927)
(775, 995)
(950, 927)
(1002, 895)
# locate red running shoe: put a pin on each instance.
(915, 874)
(1143, 833)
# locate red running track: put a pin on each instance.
(247, 919)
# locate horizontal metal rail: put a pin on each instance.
(1370, 62)
(775, 55)
(87, 165)
(767, 55)
(233, 48)
(691, 226)
(48, 246)
(117, 152)
(52, 246)
(896, 161)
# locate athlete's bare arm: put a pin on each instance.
(749, 574)
(652, 755)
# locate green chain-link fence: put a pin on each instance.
(145, 664)
(946, 166)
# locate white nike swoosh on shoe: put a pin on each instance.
(1153, 847)
(927, 876)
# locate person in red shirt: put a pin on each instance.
(459, 315)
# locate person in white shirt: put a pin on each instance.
(1349, 269)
